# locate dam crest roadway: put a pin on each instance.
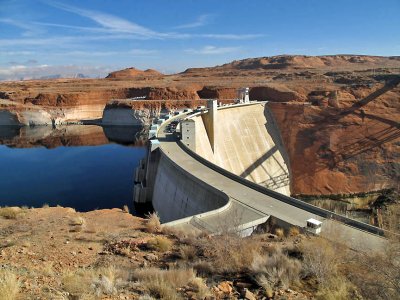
(230, 170)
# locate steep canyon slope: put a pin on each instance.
(338, 115)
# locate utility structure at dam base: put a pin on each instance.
(226, 168)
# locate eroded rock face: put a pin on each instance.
(276, 93)
(25, 117)
(128, 116)
(331, 152)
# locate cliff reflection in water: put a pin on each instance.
(80, 166)
(70, 135)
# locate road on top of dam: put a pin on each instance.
(258, 204)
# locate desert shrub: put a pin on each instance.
(280, 232)
(78, 284)
(10, 212)
(160, 244)
(275, 270)
(90, 282)
(161, 289)
(77, 221)
(153, 223)
(45, 205)
(230, 253)
(9, 285)
(125, 209)
(163, 284)
(377, 274)
(294, 231)
(337, 288)
(198, 286)
(319, 259)
(203, 267)
(188, 252)
(78, 224)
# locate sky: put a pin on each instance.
(45, 37)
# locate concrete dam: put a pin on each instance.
(228, 169)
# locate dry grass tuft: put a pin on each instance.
(163, 284)
(160, 244)
(338, 288)
(77, 221)
(78, 284)
(9, 285)
(319, 259)
(280, 233)
(230, 253)
(188, 252)
(10, 212)
(198, 286)
(125, 209)
(153, 223)
(275, 270)
(294, 231)
(87, 283)
(45, 205)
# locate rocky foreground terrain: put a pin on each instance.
(58, 253)
(338, 115)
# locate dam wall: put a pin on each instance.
(178, 194)
(247, 143)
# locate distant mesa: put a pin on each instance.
(54, 76)
(133, 73)
(301, 62)
(59, 76)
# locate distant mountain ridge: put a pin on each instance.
(293, 62)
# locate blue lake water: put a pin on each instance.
(80, 167)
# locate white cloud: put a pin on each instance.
(107, 21)
(200, 21)
(231, 36)
(132, 52)
(16, 53)
(213, 50)
(29, 29)
(130, 30)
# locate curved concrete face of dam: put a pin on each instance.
(246, 142)
(241, 139)
(178, 194)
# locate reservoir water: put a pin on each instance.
(81, 166)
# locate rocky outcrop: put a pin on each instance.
(276, 93)
(133, 73)
(209, 92)
(24, 117)
(334, 150)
